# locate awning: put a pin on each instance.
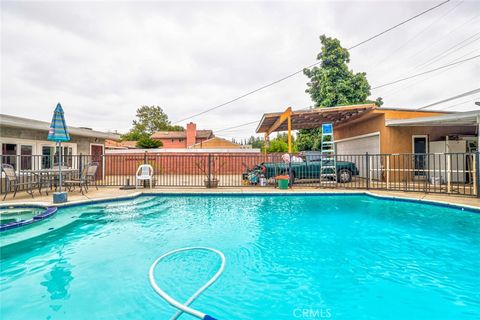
(469, 118)
(314, 118)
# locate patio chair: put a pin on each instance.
(92, 174)
(81, 182)
(12, 179)
(144, 173)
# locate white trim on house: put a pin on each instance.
(359, 137)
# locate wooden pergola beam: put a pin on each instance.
(285, 116)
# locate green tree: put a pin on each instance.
(309, 139)
(280, 144)
(148, 143)
(149, 120)
(332, 84)
(255, 142)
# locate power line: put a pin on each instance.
(398, 25)
(397, 49)
(425, 72)
(468, 93)
(431, 48)
(312, 65)
(399, 80)
(459, 104)
(430, 105)
(449, 51)
(402, 88)
(235, 127)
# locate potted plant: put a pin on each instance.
(211, 179)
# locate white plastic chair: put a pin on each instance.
(144, 172)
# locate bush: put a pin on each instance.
(148, 143)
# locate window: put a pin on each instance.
(47, 157)
(9, 154)
(67, 155)
(26, 157)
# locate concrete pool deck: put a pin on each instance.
(114, 192)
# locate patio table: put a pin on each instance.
(47, 176)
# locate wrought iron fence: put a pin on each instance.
(450, 173)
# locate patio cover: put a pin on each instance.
(469, 118)
(308, 119)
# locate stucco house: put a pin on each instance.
(366, 128)
(27, 137)
(182, 139)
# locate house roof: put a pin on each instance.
(201, 134)
(25, 123)
(221, 143)
(469, 118)
(110, 144)
(314, 118)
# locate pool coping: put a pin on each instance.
(190, 193)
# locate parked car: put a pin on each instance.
(309, 168)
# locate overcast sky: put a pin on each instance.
(102, 60)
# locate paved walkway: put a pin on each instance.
(111, 192)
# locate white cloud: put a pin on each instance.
(102, 60)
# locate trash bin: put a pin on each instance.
(282, 182)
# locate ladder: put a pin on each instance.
(328, 163)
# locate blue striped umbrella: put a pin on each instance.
(58, 129)
(58, 133)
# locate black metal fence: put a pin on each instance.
(451, 173)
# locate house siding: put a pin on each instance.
(397, 139)
(83, 143)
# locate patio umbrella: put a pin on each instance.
(58, 133)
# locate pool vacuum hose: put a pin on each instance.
(184, 307)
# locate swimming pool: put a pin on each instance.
(288, 257)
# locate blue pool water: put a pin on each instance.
(288, 257)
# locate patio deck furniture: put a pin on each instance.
(81, 182)
(49, 177)
(13, 179)
(92, 174)
(144, 173)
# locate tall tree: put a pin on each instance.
(149, 120)
(331, 84)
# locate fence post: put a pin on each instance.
(290, 174)
(209, 170)
(449, 172)
(80, 164)
(477, 173)
(367, 165)
(388, 172)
